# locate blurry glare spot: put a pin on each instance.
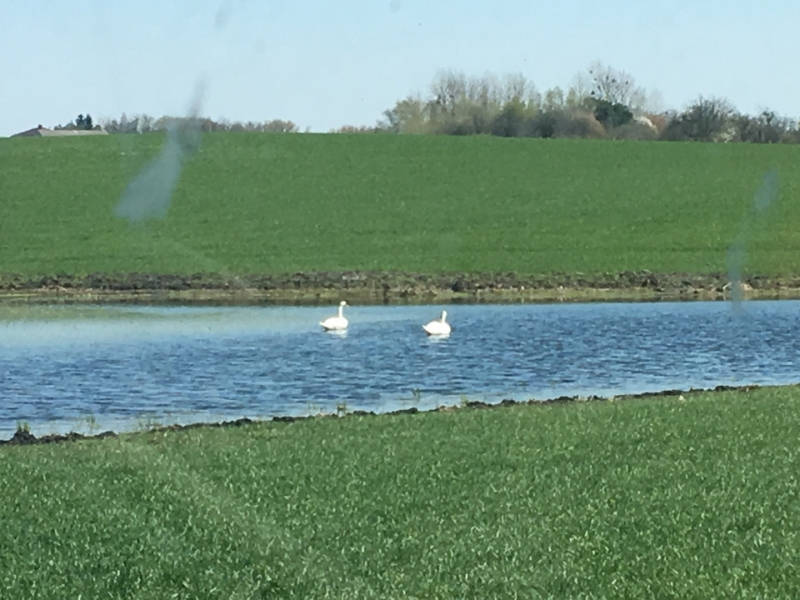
(768, 191)
(766, 194)
(395, 6)
(223, 14)
(149, 194)
(260, 46)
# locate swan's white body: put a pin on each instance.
(438, 327)
(338, 323)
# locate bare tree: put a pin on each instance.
(553, 99)
(580, 91)
(616, 87)
(516, 87)
(766, 128)
(706, 120)
(483, 91)
(448, 88)
(653, 103)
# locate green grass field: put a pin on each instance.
(646, 498)
(262, 203)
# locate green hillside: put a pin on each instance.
(261, 203)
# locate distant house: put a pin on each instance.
(45, 132)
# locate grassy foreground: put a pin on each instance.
(258, 203)
(693, 497)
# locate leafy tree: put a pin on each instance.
(612, 114)
(544, 124)
(410, 115)
(511, 120)
(83, 122)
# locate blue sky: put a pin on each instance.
(327, 64)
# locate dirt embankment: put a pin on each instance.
(24, 437)
(385, 287)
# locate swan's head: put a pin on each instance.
(342, 303)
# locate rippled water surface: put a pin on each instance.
(127, 366)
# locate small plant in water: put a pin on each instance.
(23, 427)
(464, 401)
(416, 395)
(148, 423)
(314, 409)
(341, 408)
(92, 424)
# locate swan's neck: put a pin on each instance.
(443, 317)
(341, 308)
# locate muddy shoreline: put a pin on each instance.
(24, 437)
(367, 287)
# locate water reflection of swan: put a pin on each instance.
(438, 339)
(336, 323)
(438, 327)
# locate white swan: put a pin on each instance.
(438, 327)
(336, 323)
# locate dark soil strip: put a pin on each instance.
(24, 438)
(384, 287)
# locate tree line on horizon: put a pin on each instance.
(148, 124)
(600, 103)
